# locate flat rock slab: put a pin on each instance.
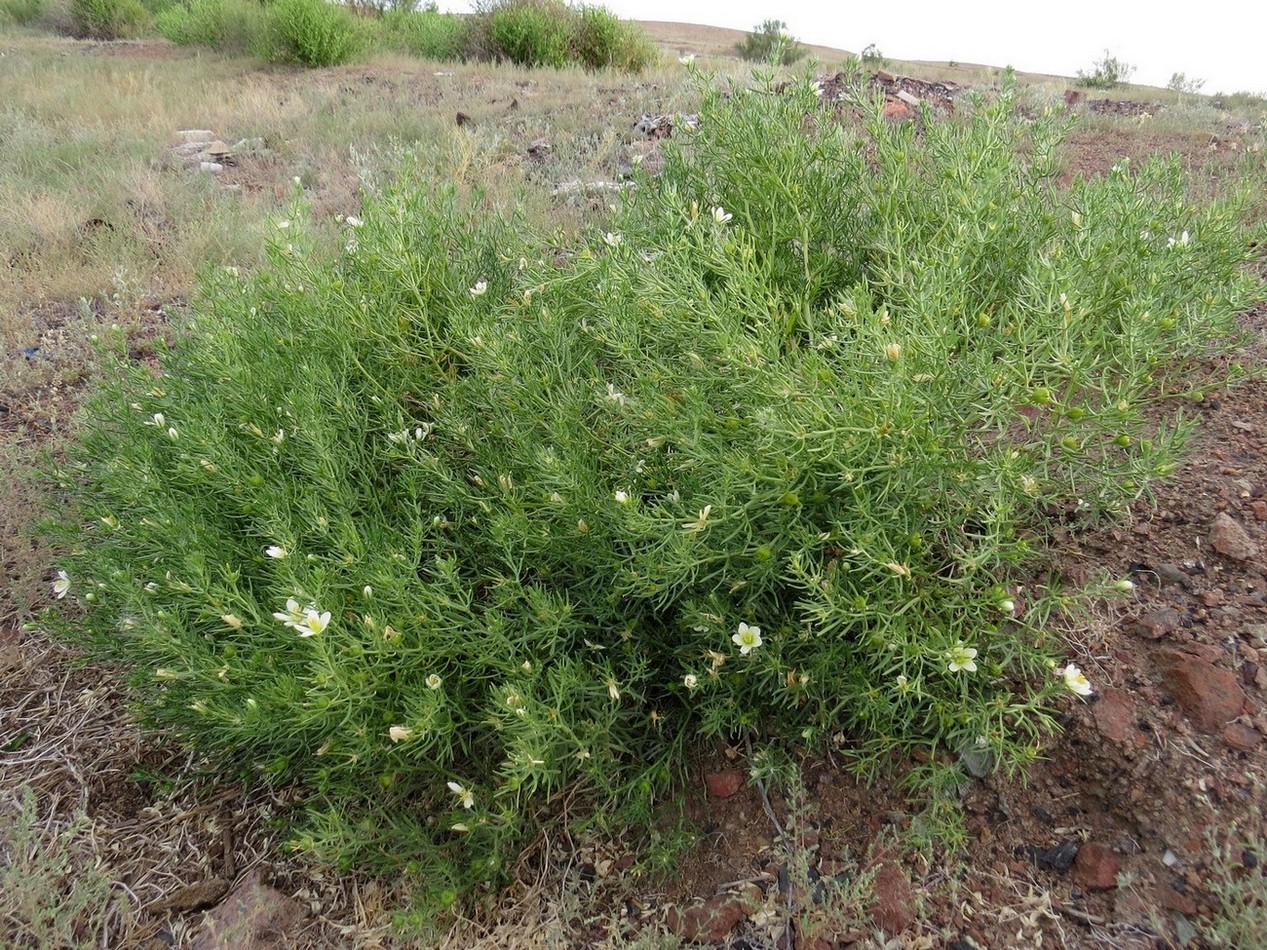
(253, 917)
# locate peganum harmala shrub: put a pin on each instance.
(427, 33)
(314, 33)
(226, 25)
(443, 534)
(531, 32)
(109, 19)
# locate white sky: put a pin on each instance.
(1223, 42)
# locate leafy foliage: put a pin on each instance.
(439, 531)
(770, 42)
(310, 33)
(1106, 73)
(427, 33)
(109, 19)
(230, 25)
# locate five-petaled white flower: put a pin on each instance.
(690, 680)
(465, 794)
(747, 639)
(158, 420)
(434, 681)
(353, 221)
(612, 240)
(622, 497)
(293, 614)
(721, 215)
(61, 586)
(313, 622)
(686, 59)
(1076, 681)
(399, 733)
(962, 657)
(276, 551)
(615, 395)
(480, 287)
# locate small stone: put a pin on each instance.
(711, 921)
(1155, 624)
(253, 917)
(1259, 508)
(195, 135)
(1230, 539)
(725, 783)
(1237, 735)
(463, 119)
(893, 109)
(912, 101)
(1096, 867)
(1210, 695)
(894, 905)
(1114, 715)
(1059, 858)
(210, 167)
(1172, 899)
(1170, 574)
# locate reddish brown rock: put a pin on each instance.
(896, 109)
(1096, 866)
(1230, 539)
(1114, 716)
(893, 907)
(253, 917)
(725, 783)
(1155, 624)
(1210, 695)
(713, 920)
(1237, 735)
(1172, 899)
(1259, 508)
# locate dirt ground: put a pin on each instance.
(1111, 842)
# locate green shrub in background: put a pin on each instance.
(532, 32)
(427, 34)
(226, 25)
(437, 531)
(313, 33)
(605, 41)
(21, 12)
(1107, 72)
(770, 42)
(109, 19)
(552, 33)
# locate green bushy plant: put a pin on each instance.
(427, 33)
(605, 41)
(21, 12)
(442, 533)
(226, 25)
(770, 42)
(109, 19)
(1108, 72)
(532, 32)
(313, 33)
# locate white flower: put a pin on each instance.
(686, 59)
(158, 420)
(1182, 241)
(480, 287)
(1076, 681)
(613, 690)
(399, 733)
(747, 639)
(463, 793)
(276, 551)
(353, 221)
(367, 590)
(1007, 606)
(690, 680)
(701, 521)
(1124, 587)
(961, 657)
(293, 615)
(893, 352)
(232, 620)
(460, 826)
(61, 586)
(721, 215)
(172, 433)
(313, 622)
(622, 497)
(902, 683)
(434, 681)
(615, 395)
(612, 240)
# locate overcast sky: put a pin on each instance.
(1220, 41)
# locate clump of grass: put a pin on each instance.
(1239, 882)
(427, 33)
(437, 530)
(1107, 72)
(52, 893)
(770, 42)
(315, 33)
(109, 19)
(227, 25)
(21, 12)
(553, 34)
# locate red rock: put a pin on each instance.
(1229, 538)
(1114, 715)
(1237, 735)
(1210, 695)
(713, 920)
(1096, 866)
(893, 907)
(1155, 624)
(253, 917)
(725, 783)
(1259, 508)
(896, 109)
(1172, 899)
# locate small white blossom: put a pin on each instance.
(158, 420)
(481, 286)
(232, 620)
(686, 59)
(399, 733)
(615, 395)
(690, 680)
(1124, 586)
(622, 497)
(613, 240)
(747, 639)
(353, 221)
(1076, 681)
(61, 586)
(721, 215)
(313, 623)
(701, 521)
(464, 794)
(293, 613)
(1007, 606)
(276, 551)
(613, 690)
(962, 657)
(434, 681)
